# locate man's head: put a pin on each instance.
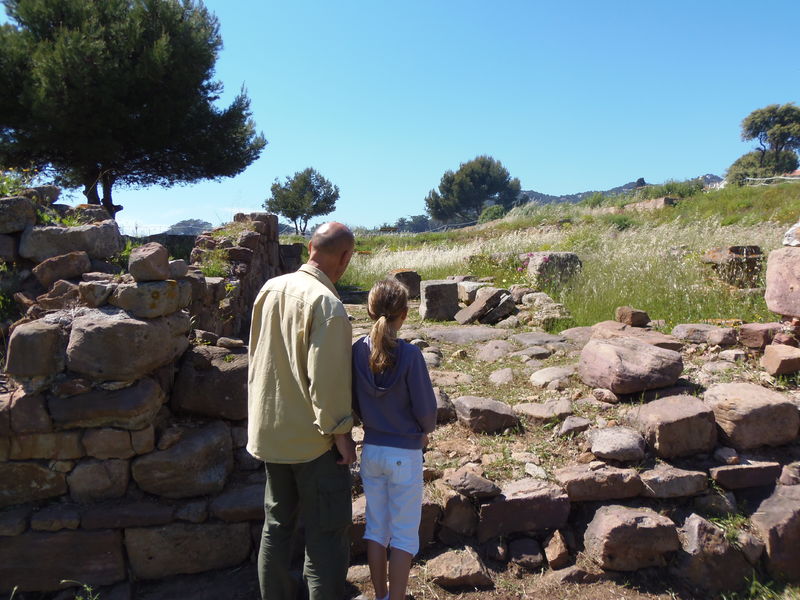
(330, 249)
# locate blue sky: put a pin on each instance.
(383, 97)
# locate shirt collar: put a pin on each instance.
(319, 275)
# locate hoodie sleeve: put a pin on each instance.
(355, 357)
(423, 400)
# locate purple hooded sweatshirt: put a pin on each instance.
(396, 406)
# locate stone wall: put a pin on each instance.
(250, 246)
(121, 442)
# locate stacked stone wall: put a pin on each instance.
(121, 442)
(222, 304)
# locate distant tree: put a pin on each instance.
(463, 194)
(760, 164)
(189, 227)
(776, 127)
(413, 224)
(305, 195)
(118, 92)
(418, 223)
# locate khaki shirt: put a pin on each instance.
(299, 372)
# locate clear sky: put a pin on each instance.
(383, 97)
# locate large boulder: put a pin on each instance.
(16, 214)
(133, 407)
(114, 346)
(40, 562)
(198, 464)
(472, 485)
(151, 299)
(552, 268)
(458, 568)
(780, 359)
(486, 299)
(783, 281)
(239, 503)
(438, 300)
(67, 266)
(493, 350)
(676, 426)
(665, 481)
(96, 480)
(463, 335)
(622, 444)
(484, 415)
(530, 505)
(627, 366)
(212, 382)
(758, 335)
(36, 349)
(627, 539)
(609, 330)
(703, 333)
(777, 522)
(58, 446)
(25, 482)
(98, 240)
(746, 474)
(409, 279)
(184, 548)
(459, 514)
(598, 481)
(544, 412)
(149, 262)
(630, 316)
(8, 248)
(708, 562)
(751, 416)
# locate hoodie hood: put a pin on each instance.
(381, 383)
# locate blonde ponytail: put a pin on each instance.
(387, 301)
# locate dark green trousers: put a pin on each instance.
(318, 492)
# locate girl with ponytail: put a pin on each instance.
(393, 396)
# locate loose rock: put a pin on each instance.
(627, 366)
(628, 539)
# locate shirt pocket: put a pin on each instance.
(335, 505)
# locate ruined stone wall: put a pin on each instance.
(249, 245)
(121, 443)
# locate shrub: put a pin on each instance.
(13, 181)
(619, 222)
(214, 263)
(492, 213)
(593, 201)
(122, 257)
(676, 189)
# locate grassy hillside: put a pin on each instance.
(647, 260)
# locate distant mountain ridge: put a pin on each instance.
(540, 198)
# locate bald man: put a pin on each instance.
(299, 407)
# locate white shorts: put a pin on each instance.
(392, 479)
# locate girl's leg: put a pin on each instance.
(373, 477)
(376, 558)
(399, 568)
(405, 504)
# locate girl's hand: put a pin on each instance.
(424, 440)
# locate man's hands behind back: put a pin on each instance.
(346, 447)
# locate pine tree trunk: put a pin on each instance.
(108, 183)
(90, 190)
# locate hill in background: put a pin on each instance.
(540, 198)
